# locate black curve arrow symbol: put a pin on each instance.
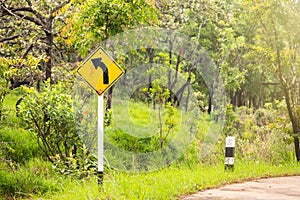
(97, 62)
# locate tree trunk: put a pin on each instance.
(187, 96)
(232, 100)
(49, 43)
(209, 110)
(249, 101)
(149, 89)
(160, 127)
(289, 102)
(239, 102)
(170, 62)
(150, 52)
(109, 98)
(297, 149)
(176, 73)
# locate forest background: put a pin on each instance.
(253, 45)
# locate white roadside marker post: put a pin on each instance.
(229, 153)
(100, 130)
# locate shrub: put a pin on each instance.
(50, 115)
(127, 142)
(260, 136)
(263, 117)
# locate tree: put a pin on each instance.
(31, 29)
(97, 20)
(277, 34)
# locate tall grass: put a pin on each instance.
(169, 183)
(34, 177)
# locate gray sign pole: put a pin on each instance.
(100, 130)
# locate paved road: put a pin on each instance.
(283, 188)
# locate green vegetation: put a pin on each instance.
(37, 178)
(169, 183)
(20, 145)
(34, 177)
(200, 71)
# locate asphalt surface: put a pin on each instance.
(282, 188)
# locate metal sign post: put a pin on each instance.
(100, 131)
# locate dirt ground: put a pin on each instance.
(283, 188)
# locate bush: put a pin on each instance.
(51, 117)
(263, 117)
(49, 114)
(82, 165)
(127, 142)
(260, 136)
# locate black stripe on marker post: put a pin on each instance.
(229, 152)
(100, 178)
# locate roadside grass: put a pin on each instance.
(11, 98)
(35, 176)
(142, 120)
(9, 117)
(169, 183)
(135, 127)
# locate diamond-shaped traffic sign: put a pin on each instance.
(100, 71)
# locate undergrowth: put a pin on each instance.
(263, 150)
(169, 183)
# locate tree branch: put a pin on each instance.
(9, 38)
(29, 2)
(29, 9)
(25, 9)
(27, 51)
(58, 8)
(270, 83)
(12, 12)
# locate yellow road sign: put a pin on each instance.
(100, 71)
